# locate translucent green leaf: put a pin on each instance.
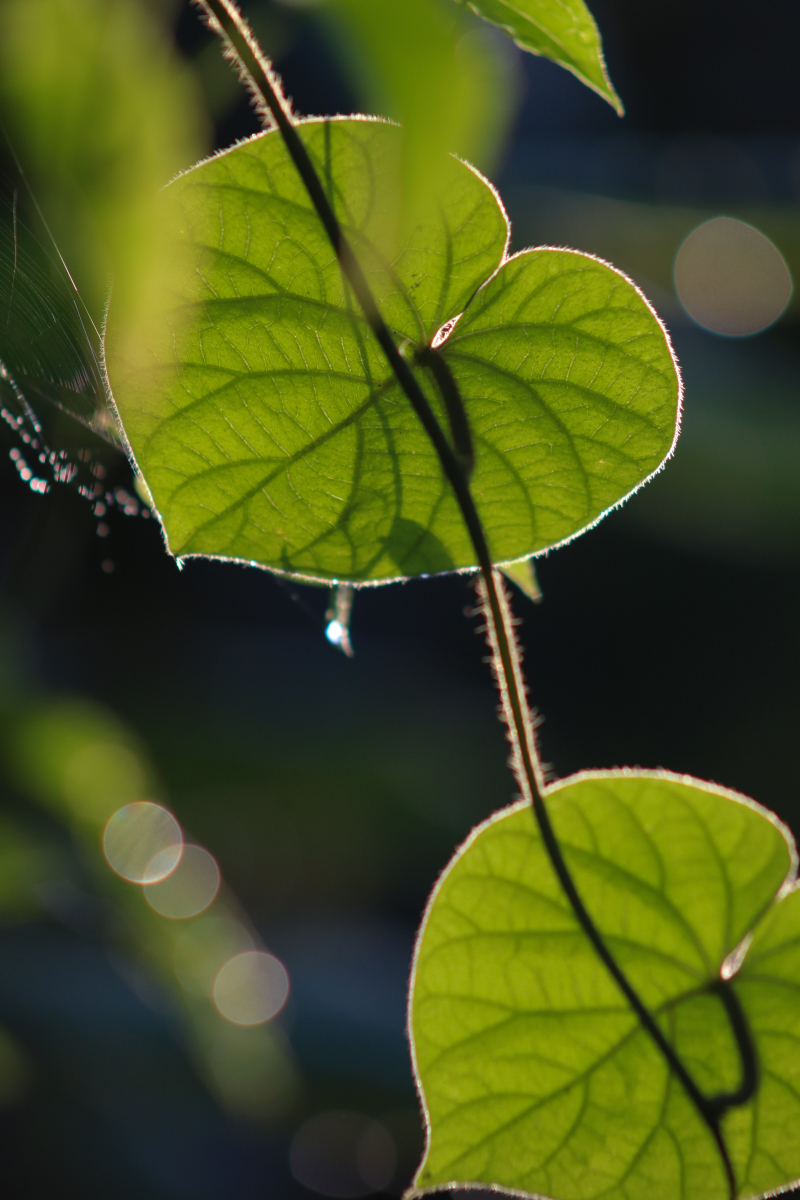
(571, 391)
(534, 1071)
(563, 30)
(262, 413)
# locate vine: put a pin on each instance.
(593, 1003)
(457, 460)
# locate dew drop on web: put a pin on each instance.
(50, 365)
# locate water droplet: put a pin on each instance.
(338, 615)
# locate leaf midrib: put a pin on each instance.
(548, 35)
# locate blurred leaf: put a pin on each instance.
(265, 420)
(535, 1072)
(563, 30)
(251, 1070)
(26, 862)
(15, 1070)
(77, 759)
(102, 117)
(80, 762)
(450, 87)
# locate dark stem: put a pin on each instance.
(428, 356)
(224, 19)
(711, 1111)
(529, 772)
(747, 1051)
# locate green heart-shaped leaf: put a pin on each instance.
(264, 417)
(563, 30)
(535, 1072)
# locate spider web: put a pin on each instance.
(53, 398)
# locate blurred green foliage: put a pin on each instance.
(26, 862)
(81, 763)
(102, 115)
(444, 77)
(16, 1073)
(76, 758)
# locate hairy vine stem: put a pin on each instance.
(456, 460)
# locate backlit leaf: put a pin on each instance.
(563, 30)
(534, 1071)
(265, 420)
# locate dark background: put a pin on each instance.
(333, 791)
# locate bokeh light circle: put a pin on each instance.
(251, 987)
(730, 278)
(187, 889)
(143, 842)
(343, 1155)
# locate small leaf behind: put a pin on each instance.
(523, 574)
(563, 30)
